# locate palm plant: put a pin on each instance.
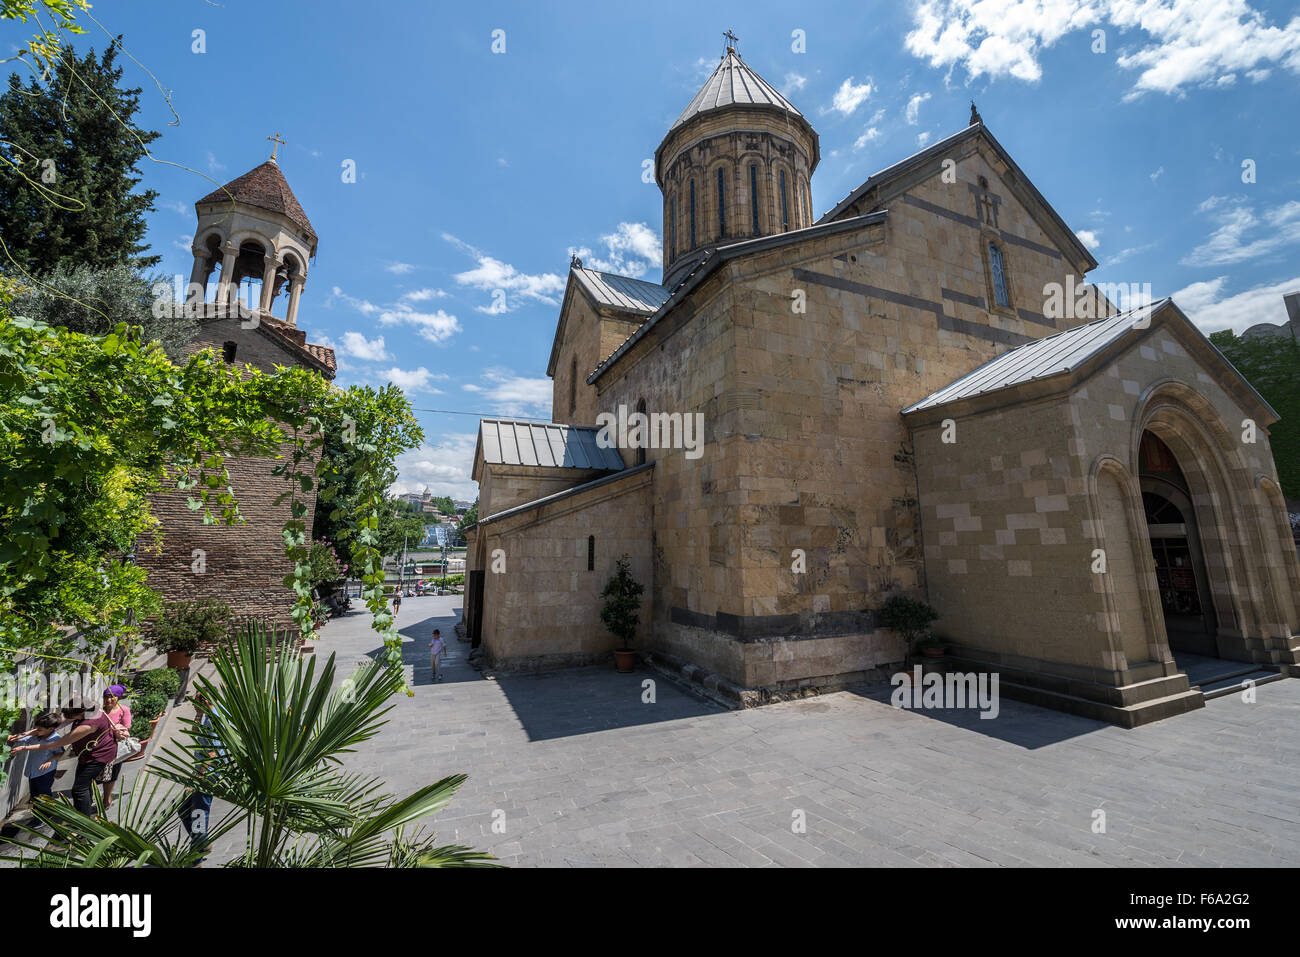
(271, 751)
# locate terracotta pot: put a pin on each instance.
(179, 659)
(625, 660)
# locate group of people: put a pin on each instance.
(94, 740)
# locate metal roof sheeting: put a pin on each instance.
(622, 292)
(1041, 358)
(733, 83)
(545, 444)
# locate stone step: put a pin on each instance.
(1230, 684)
(1130, 716)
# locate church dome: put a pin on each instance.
(734, 166)
(734, 83)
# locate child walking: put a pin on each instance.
(437, 648)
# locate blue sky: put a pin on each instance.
(480, 171)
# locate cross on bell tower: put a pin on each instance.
(278, 143)
(732, 40)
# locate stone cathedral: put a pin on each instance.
(887, 406)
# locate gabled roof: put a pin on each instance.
(711, 259)
(1070, 351)
(734, 83)
(622, 292)
(544, 444)
(266, 188)
(1018, 183)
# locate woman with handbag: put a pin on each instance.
(120, 717)
(93, 742)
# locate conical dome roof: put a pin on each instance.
(734, 83)
(266, 188)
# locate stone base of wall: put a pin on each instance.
(1130, 705)
(531, 664)
(731, 695)
(779, 662)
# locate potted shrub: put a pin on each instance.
(908, 617)
(932, 647)
(184, 626)
(622, 612)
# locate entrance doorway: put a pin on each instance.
(1181, 581)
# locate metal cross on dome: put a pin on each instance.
(732, 40)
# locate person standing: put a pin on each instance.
(93, 742)
(397, 601)
(437, 648)
(42, 768)
(120, 716)
(196, 812)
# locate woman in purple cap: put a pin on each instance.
(119, 716)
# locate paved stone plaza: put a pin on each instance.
(588, 775)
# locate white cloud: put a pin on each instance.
(922, 139)
(631, 250)
(793, 83)
(868, 135)
(399, 269)
(850, 96)
(1186, 42)
(214, 166)
(912, 113)
(1157, 174)
(509, 394)
(423, 295)
(180, 209)
(445, 469)
(1205, 304)
(359, 347)
(1124, 254)
(436, 327)
(413, 380)
(1241, 234)
(1088, 237)
(492, 275)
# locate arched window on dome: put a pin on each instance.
(692, 214)
(722, 203)
(785, 206)
(672, 227)
(753, 194)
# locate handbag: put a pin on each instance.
(126, 748)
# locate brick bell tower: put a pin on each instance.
(251, 228)
(735, 165)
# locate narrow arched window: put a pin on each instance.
(573, 385)
(722, 204)
(672, 228)
(785, 206)
(228, 350)
(645, 434)
(692, 214)
(998, 272)
(591, 553)
(753, 194)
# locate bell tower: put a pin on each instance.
(735, 165)
(253, 228)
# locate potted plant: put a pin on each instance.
(908, 617)
(932, 647)
(621, 613)
(184, 626)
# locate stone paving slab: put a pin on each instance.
(588, 775)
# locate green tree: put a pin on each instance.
(1272, 366)
(274, 753)
(69, 154)
(94, 300)
(92, 426)
(445, 505)
(621, 611)
(399, 524)
(469, 519)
